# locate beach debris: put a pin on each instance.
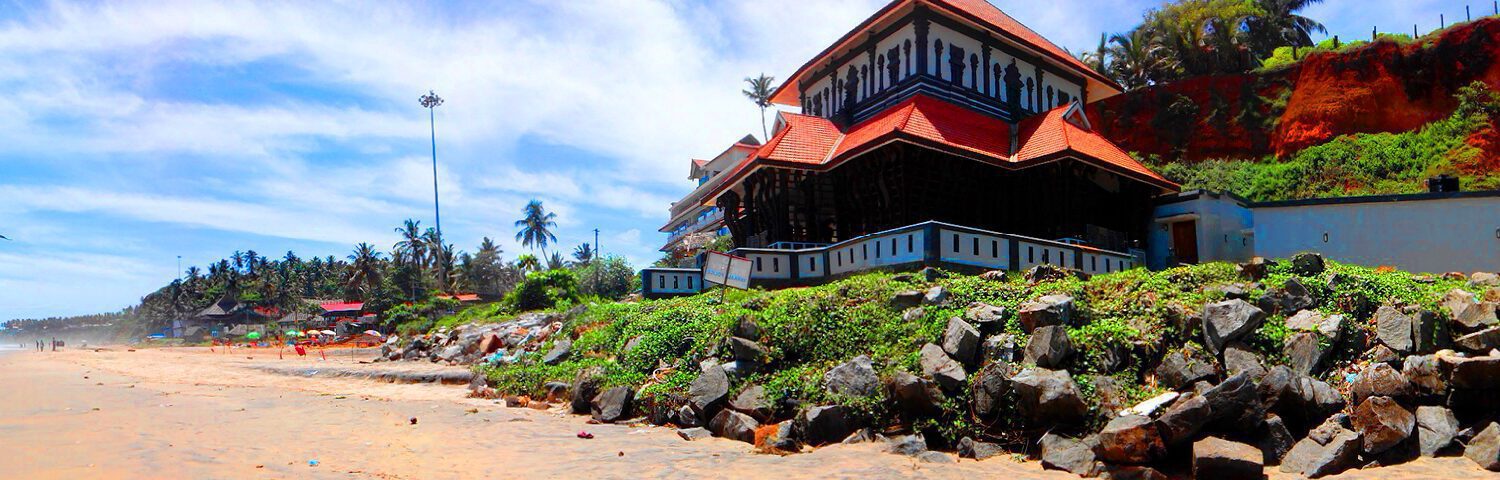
(312, 463)
(585, 435)
(413, 420)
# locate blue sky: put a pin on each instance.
(135, 132)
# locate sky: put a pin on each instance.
(135, 133)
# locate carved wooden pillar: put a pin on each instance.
(921, 26)
(985, 89)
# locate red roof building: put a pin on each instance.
(935, 110)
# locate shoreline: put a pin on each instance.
(186, 413)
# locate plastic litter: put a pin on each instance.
(585, 435)
(312, 463)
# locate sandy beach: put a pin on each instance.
(189, 413)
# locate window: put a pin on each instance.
(1030, 254)
(690, 283)
(877, 249)
(893, 247)
(759, 265)
(864, 251)
(661, 281)
(1046, 256)
(976, 246)
(776, 264)
(994, 248)
(811, 265)
(676, 282)
(955, 243)
(909, 247)
(1093, 262)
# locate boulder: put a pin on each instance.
(1000, 348)
(909, 445)
(1049, 346)
(917, 396)
(1478, 373)
(1111, 396)
(1316, 400)
(1074, 456)
(1394, 329)
(1383, 423)
(946, 371)
(1131, 472)
(747, 353)
(1231, 291)
(559, 352)
(1043, 273)
(685, 416)
(708, 392)
(612, 405)
(987, 318)
(993, 276)
(1255, 269)
(1484, 279)
(1456, 300)
(585, 387)
(913, 315)
(1235, 404)
(1149, 406)
(1304, 352)
(863, 435)
(747, 328)
(1047, 397)
(783, 440)
(1491, 295)
(1179, 370)
(1307, 264)
(1239, 358)
(1048, 310)
(1330, 327)
(734, 426)
(752, 401)
(556, 391)
(450, 353)
(1314, 459)
(1379, 379)
(1131, 439)
(935, 457)
(936, 296)
(1222, 459)
(489, 343)
(1476, 317)
(1484, 448)
(1381, 354)
(1275, 441)
(1184, 419)
(1229, 320)
(1423, 371)
(907, 299)
(1479, 342)
(1428, 332)
(991, 387)
(855, 378)
(827, 424)
(694, 433)
(931, 274)
(1436, 429)
(1293, 296)
(969, 448)
(961, 340)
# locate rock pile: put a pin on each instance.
(503, 342)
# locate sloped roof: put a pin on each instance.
(978, 11)
(815, 143)
(342, 307)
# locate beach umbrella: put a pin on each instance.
(372, 333)
(293, 333)
(329, 332)
(253, 335)
(312, 332)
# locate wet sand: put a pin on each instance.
(187, 413)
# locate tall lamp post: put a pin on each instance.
(430, 101)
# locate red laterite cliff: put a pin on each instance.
(1381, 87)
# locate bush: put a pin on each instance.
(611, 277)
(544, 290)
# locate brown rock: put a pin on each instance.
(1222, 459)
(1383, 423)
(1131, 439)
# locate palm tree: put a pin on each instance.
(1098, 60)
(555, 261)
(250, 262)
(536, 226)
(1136, 56)
(413, 245)
(365, 267)
(1279, 25)
(528, 263)
(584, 253)
(760, 92)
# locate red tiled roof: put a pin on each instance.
(809, 142)
(342, 307)
(977, 11)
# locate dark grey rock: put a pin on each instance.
(1048, 397)
(613, 405)
(854, 378)
(1235, 404)
(695, 433)
(936, 296)
(1184, 419)
(1479, 342)
(585, 387)
(1484, 448)
(752, 401)
(1314, 459)
(907, 299)
(1239, 358)
(1000, 348)
(1307, 264)
(1476, 317)
(1049, 346)
(1131, 472)
(1223, 459)
(1275, 441)
(785, 440)
(1075, 456)
(685, 416)
(987, 318)
(1179, 370)
(1436, 429)
(1379, 379)
(1048, 310)
(1382, 423)
(827, 424)
(560, 351)
(961, 340)
(734, 426)
(1381, 354)
(709, 391)
(1304, 352)
(1425, 375)
(1229, 320)
(1112, 397)
(909, 445)
(991, 387)
(1294, 296)
(1044, 272)
(970, 448)
(747, 328)
(1130, 439)
(747, 352)
(916, 396)
(1428, 332)
(1479, 373)
(1394, 329)
(863, 435)
(946, 371)
(935, 457)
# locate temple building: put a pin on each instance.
(691, 219)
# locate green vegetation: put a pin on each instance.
(1287, 55)
(657, 345)
(1362, 164)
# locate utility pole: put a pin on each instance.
(430, 101)
(597, 264)
(179, 269)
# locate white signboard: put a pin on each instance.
(727, 270)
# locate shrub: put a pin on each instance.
(543, 290)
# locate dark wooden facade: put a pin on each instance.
(902, 184)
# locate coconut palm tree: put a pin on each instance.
(1278, 24)
(759, 91)
(536, 226)
(584, 253)
(1135, 58)
(528, 263)
(364, 267)
(555, 262)
(1098, 60)
(413, 245)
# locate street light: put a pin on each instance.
(430, 101)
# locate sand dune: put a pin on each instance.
(187, 413)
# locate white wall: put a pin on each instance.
(875, 251)
(1457, 234)
(1222, 224)
(674, 281)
